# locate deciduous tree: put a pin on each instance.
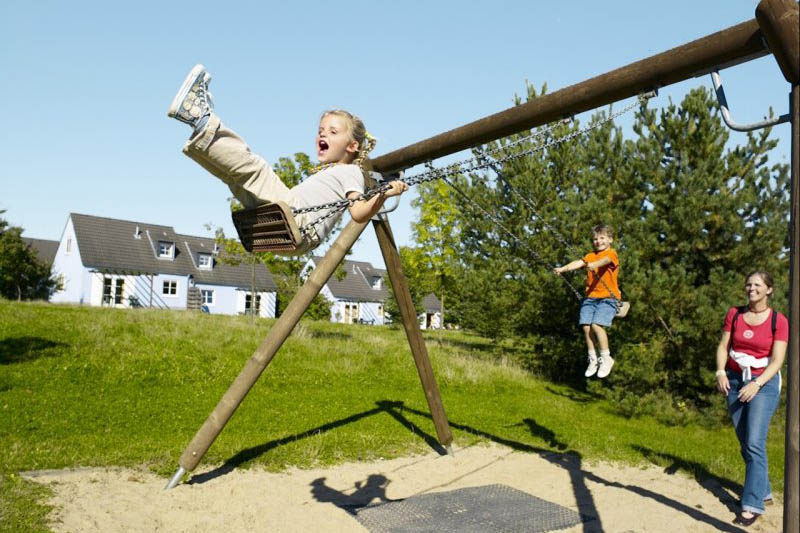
(23, 276)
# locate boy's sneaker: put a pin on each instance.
(193, 101)
(592, 368)
(606, 362)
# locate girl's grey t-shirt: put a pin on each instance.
(328, 185)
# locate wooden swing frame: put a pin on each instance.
(774, 30)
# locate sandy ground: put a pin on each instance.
(623, 499)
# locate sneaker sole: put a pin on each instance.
(194, 75)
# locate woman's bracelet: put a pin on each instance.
(720, 373)
(757, 383)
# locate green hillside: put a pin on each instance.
(84, 386)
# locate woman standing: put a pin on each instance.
(749, 358)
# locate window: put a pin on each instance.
(204, 261)
(166, 249)
(69, 245)
(207, 296)
(350, 312)
(248, 304)
(170, 288)
(118, 291)
(376, 283)
(112, 290)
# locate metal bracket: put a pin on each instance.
(726, 116)
(176, 478)
(389, 206)
(393, 202)
(647, 95)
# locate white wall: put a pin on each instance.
(435, 320)
(176, 301)
(267, 307)
(68, 265)
(372, 312)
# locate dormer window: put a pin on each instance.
(376, 283)
(166, 250)
(204, 261)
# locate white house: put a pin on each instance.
(357, 298)
(432, 317)
(119, 263)
(360, 296)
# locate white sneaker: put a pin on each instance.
(606, 362)
(592, 368)
(192, 101)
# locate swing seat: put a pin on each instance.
(269, 228)
(622, 310)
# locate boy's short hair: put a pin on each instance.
(603, 228)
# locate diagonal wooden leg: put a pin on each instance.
(279, 332)
(411, 325)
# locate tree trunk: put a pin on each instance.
(441, 317)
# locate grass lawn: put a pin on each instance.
(83, 386)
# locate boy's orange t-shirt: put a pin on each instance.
(608, 274)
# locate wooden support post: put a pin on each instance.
(268, 348)
(791, 487)
(411, 324)
(778, 20)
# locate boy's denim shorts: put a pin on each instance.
(600, 311)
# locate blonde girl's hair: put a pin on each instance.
(358, 132)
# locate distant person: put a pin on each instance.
(602, 298)
(749, 359)
(342, 145)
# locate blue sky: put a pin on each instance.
(86, 87)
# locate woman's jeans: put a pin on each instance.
(751, 421)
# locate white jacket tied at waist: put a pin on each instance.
(747, 361)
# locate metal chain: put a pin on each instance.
(472, 165)
(499, 224)
(458, 168)
(335, 207)
(559, 237)
(346, 202)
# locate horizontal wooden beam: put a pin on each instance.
(728, 47)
